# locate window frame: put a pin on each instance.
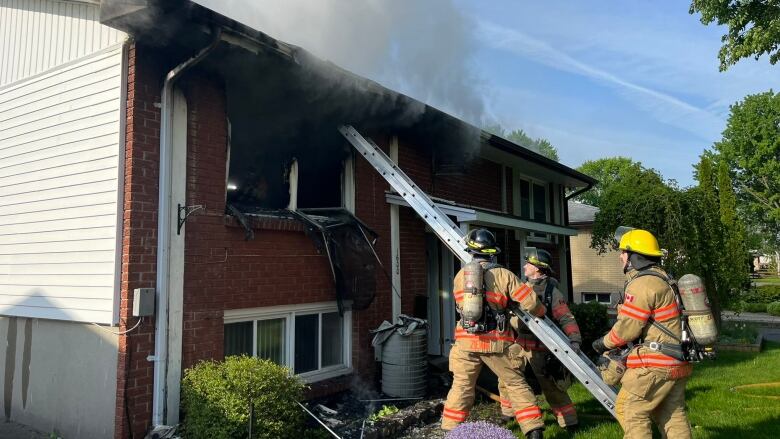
(597, 299)
(289, 312)
(517, 203)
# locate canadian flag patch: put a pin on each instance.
(629, 298)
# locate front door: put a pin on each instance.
(441, 304)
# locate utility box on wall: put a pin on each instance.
(143, 302)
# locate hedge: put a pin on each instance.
(216, 399)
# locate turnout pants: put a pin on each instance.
(559, 400)
(649, 395)
(465, 367)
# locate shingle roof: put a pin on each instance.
(580, 213)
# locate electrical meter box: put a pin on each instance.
(143, 302)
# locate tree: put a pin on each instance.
(607, 171)
(753, 27)
(750, 148)
(540, 145)
(689, 224)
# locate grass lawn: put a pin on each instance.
(768, 280)
(715, 408)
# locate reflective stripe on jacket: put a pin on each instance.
(560, 313)
(502, 287)
(645, 298)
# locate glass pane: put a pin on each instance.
(307, 343)
(525, 197)
(271, 340)
(332, 339)
(238, 338)
(540, 213)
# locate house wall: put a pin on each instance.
(38, 35)
(59, 191)
(280, 266)
(58, 376)
(591, 272)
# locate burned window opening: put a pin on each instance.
(348, 243)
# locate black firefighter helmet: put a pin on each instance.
(539, 258)
(482, 242)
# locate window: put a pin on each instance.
(604, 298)
(313, 340)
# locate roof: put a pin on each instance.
(147, 18)
(581, 213)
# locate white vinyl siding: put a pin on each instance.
(59, 191)
(38, 35)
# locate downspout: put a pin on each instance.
(164, 219)
(567, 241)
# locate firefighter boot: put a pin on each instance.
(537, 433)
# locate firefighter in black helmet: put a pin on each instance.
(482, 244)
(552, 377)
(492, 346)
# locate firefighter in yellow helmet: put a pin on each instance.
(552, 377)
(492, 346)
(653, 387)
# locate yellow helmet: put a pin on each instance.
(638, 241)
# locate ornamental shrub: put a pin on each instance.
(593, 321)
(216, 399)
(762, 294)
(479, 430)
(773, 308)
(753, 307)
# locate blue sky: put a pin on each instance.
(597, 79)
(607, 78)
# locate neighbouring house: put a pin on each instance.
(158, 150)
(594, 277)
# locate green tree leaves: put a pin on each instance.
(753, 27)
(607, 171)
(542, 146)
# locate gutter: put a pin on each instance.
(164, 219)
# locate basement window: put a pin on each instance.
(313, 340)
(602, 298)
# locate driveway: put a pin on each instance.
(12, 430)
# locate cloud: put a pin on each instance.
(662, 106)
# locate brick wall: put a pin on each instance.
(279, 267)
(139, 242)
(591, 272)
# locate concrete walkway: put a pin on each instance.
(752, 317)
(769, 326)
(12, 430)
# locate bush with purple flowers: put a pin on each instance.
(479, 430)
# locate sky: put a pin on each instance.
(597, 79)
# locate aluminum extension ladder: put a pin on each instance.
(548, 332)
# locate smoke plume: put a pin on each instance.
(421, 48)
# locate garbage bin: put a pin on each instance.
(403, 350)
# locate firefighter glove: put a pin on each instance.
(598, 346)
(575, 346)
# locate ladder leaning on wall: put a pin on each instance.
(544, 328)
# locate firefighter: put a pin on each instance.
(653, 387)
(552, 377)
(492, 347)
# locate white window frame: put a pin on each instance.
(517, 206)
(289, 312)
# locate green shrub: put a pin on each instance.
(773, 308)
(593, 321)
(216, 399)
(752, 307)
(762, 294)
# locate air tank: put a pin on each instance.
(697, 308)
(471, 305)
